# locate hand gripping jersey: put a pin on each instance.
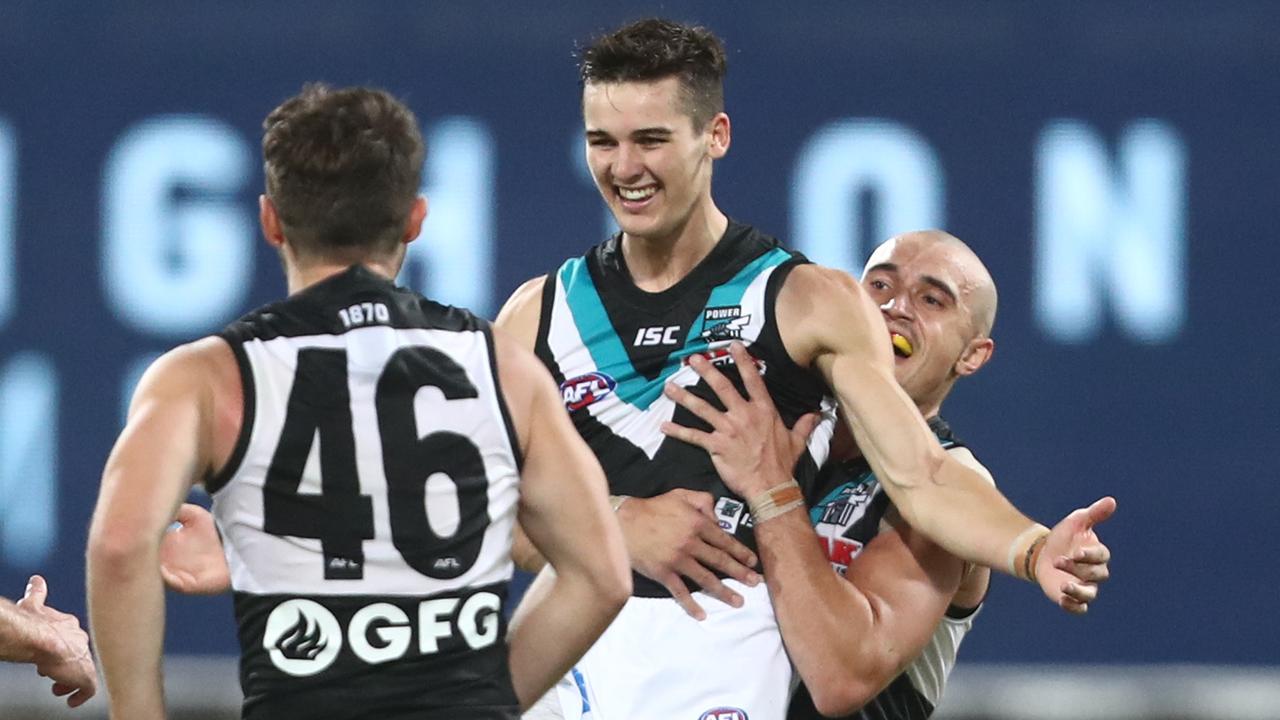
(612, 347)
(368, 507)
(847, 508)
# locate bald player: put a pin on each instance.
(878, 637)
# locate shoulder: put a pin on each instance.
(192, 365)
(821, 310)
(522, 312)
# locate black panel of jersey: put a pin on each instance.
(847, 505)
(612, 347)
(368, 507)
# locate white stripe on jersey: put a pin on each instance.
(265, 564)
(643, 428)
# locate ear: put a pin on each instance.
(721, 134)
(417, 214)
(975, 355)
(270, 221)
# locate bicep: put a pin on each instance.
(562, 488)
(161, 452)
(564, 496)
(909, 581)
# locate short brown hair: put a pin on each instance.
(343, 168)
(655, 49)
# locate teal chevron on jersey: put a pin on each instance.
(607, 350)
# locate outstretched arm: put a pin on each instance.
(33, 632)
(829, 323)
(162, 450)
(565, 511)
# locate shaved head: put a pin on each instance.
(975, 287)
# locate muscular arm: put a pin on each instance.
(829, 323)
(847, 636)
(162, 451)
(565, 512)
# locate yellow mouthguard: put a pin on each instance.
(902, 344)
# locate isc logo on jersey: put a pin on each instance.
(724, 713)
(303, 637)
(660, 335)
(583, 390)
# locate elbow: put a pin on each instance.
(834, 702)
(115, 550)
(614, 587)
(851, 683)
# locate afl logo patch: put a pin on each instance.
(724, 713)
(583, 390)
(302, 637)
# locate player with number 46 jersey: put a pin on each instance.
(368, 451)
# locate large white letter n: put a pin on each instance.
(1110, 232)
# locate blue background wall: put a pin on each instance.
(1114, 163)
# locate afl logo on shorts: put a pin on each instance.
(723, 713)
(302, 637)
(583, 390)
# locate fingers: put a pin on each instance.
(1073, 607)
(37, 592)
(1096, 554)
(1100, 511)
(716, 380)
(189, 513)
(61, 689)
(1083, 593)
(675, 585)
(804, 427)
(710, 584)
(692, 436)
(694, 404)
(718, 559)
(750, 373)
(1089, 572)
(715, 535)
(81, 696)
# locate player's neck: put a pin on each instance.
(302, 276)
(657, 263)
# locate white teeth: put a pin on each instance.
(637, 193)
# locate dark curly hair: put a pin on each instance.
(343, 168)
(654, 49)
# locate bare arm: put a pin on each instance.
(565, 511)
(33, 632)
(162, 451)
(669, 537)
(847, 636)
(829, 323)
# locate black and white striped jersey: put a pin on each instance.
(368, 508)
(612, 347)
(847, 508)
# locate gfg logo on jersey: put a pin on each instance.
(583, 390)
(724, 713)
(303, 637)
